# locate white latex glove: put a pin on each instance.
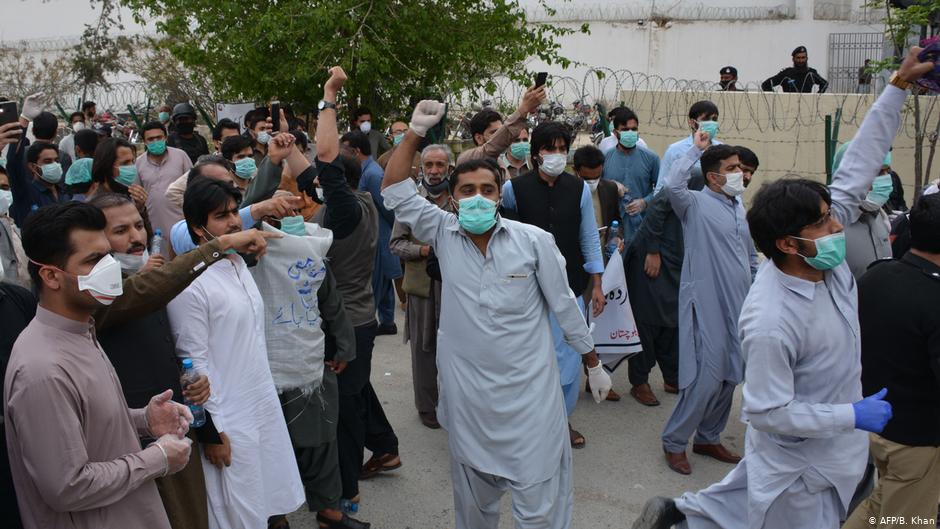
(167, 417)
(176, 452)
(427, 113)
(600, 382)
(33, 105)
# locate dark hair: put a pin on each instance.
(358, 140)
(296, 124)
(252, 119)
(224, 123)
(482, 119)
(234, 144)
(202, 197)
(102, 170)
(301, 139)
(352, 169)
(105, 201)
(474, 165)
(702, 108)
(781, 208)
(152, 125)
(47, 233)
(211, 159)
(361, 111)
(45, 126)
(74, 115)
(588, 156)
(546, 134)
(747, 156)
(713, 156)
(622, 115)
(88, 104)
(925, 224)
(34, 150)
(87, 141)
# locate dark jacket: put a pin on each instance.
(17, 308)
(899, 314)
(796, 80)
(609, 198)
(557, 210)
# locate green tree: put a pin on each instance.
(395, 51)
(99, 51)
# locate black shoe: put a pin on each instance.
(658, 513)
(386, 329)
(345, 523)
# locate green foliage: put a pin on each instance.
(395, 51)
(98, 53)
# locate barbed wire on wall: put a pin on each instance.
(620, 12)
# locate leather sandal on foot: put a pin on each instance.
(345, 523)
(378, 464)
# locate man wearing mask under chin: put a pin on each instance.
(720, 261)
(868, 238)
(422, 285)
(185, 136)
(503, 280)
(560, 203)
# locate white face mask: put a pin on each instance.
(264, 137)
(553, 164)
(77, 126)
(6, 200)
(130, 262)
(592, 184)
(734, 185)
(365, 127)
(104, 282)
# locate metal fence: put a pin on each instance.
(847, 55)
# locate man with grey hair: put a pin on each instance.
(422, 283)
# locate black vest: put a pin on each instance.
(557, 210)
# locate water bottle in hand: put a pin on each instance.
(190, 376)
(635, 220)
(614, 236)
(156, 245)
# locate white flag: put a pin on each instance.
(615, 333)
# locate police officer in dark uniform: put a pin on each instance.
(185, 136)
(798, 78)
(729, 79)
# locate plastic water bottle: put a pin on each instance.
(190, 376)
(156, 245)
(635, 220)
(349, 508)
(614, 236)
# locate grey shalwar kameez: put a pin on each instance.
(500, 400)
(803, 457)
(422, 314)
(720, 261)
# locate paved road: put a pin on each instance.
(621, 466)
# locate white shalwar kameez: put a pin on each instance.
(803, 457)
(218, 321)
(500, 400)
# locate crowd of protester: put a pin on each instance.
(188, 335)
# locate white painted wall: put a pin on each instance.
(697, 49)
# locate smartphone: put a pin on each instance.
(540, 78)
(275, 116)
(8, 113)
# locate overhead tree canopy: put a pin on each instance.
(394, 50)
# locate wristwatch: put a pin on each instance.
(900, 83)
(323, 105)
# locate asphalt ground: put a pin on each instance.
(620, 467)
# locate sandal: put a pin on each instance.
(345, 523)
(378, 464)
(577, 440)
(278, 522)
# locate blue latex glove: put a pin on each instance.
(872, 413)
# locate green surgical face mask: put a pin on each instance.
(246, 168)
(520, 150)
(157, 148)
(127, 174)
(397, 138)
(476, 214)
(881, 190)
(293, 225)
(830, 251)
(163, 116)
